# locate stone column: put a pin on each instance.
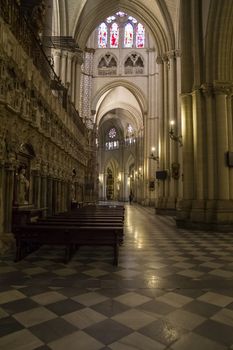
(7, 240)
(50, 195)
(200, 192)
(172, 106)
(62, 208)
(59, 196)
(188, 159)
(221, 92)
(57, 62)
(68, 198)
(2, 203)
(211, 169)
(54, 202)
(79, 61)
(8, 197)
(36, 187)
(151, 134)
(230, 137)
(161, 143)
(44, 182)
(63, 67)
(69, 72)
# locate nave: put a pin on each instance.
(172, 289)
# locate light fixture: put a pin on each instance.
(173, 136)
(138, 174)
(153, 156)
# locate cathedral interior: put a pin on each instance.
(118, 113)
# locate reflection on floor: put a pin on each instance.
(173, 289)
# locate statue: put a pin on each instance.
(23, 187)
(38, 17)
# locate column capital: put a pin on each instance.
(79, 57)
(207, 89)
(56, 53)
(171, 54)
(159, 60)
(89, 50)
(222, 88)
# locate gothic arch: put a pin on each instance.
(60, 25)
(91, 17)
(129, 161)
(138, 94)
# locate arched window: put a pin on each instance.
(128, 35)
(112, 133)
(140, 36)
(114, 35)
(130, 137)
(102, 36)
(112, 142)
(121, 30)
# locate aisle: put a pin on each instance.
(172, 289)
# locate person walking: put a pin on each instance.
(130, 197)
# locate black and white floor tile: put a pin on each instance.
(172, 289)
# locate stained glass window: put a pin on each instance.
(102, 36)
(132, 19)
(121, 14)
(110, 19)
(114, 35)
(129, 129)
(112, 133)
(140, 36)
(128, 37)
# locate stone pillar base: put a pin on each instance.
(211, 215)
(7, 243)
(166, 206)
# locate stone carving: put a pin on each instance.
(38, 18)
(23, 187)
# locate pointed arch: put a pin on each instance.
(138, 94)
(93, 15)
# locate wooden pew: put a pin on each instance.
(68, 236)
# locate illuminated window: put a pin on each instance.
(102, 36)
(112, 133)
(114, 35)
(140, 36)
(121, 30)
(110, 19)
(129, 129)
(128, 37)
(112, 145)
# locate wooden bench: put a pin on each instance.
(68, 236)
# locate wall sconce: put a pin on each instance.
(138, 174)
(173, 136)
(153, 156)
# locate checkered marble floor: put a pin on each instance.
(172, 289)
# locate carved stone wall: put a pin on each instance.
(35, 132)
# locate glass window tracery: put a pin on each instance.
(114, 35)
(128, 35)
(112, 133)
(140, 36)
(102, 35)
(121, 29)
